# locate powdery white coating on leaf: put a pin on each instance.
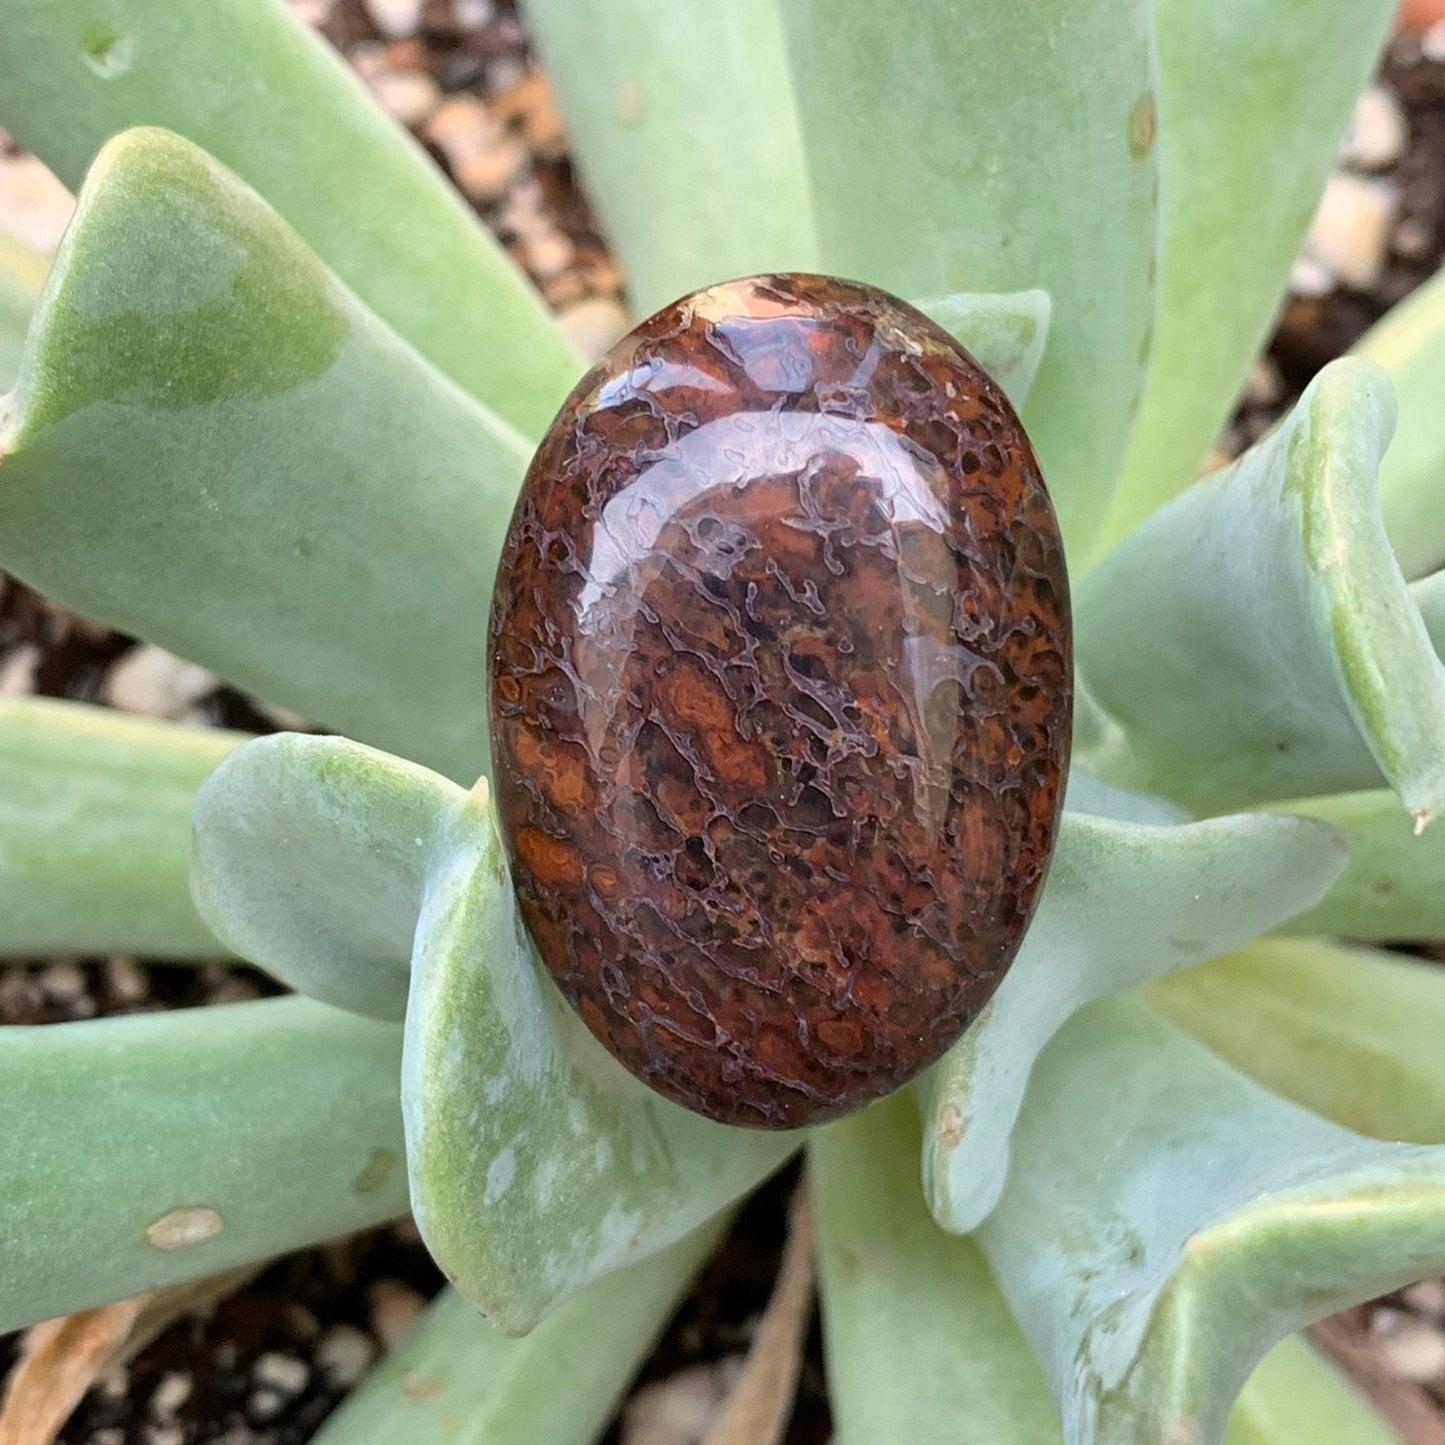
(576, 1169)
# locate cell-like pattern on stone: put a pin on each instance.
(781, 693)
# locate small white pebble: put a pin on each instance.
(114, 1383)
(1413, 239)
(1309, 279)
(593, 325)
(35, 206)
(483, 158)
(1350, 234)
(313, 12)
(368, 58)
(281, 1372)
(1377, 131)
(677, 1410)
(1264, 386)
(18, 669)
(394, 18)
(125, 978)
(172, 1392)
(110, 1435)
(265, 1405)
(164, 1435)
(408, 95)
(472, 14)
(504, 72)
(1432, 43)
(549, 254)
(152, 681)
(344, 1354)
(1415, 1351)
(62, 981)
(1427, 1298)
(395, 1308)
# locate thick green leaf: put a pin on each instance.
(455, 1378)
(248, 82)
(1253, 96)
(920, 1346)
(1428, 594)
(1005, 334)
(538, 1164)
(215, 446)
(311, 858)
(1084, 793)
(1124, 902)
(1295, 1395)
(682, 117)
(1166, 1220)
(22, 273)
(1348, 1032)
(139, 1151)
(1391, 887)
(95, 821)
(1410, 344)
(1254, 639)
(1007, 148)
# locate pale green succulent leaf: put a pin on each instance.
(920, 1345)
(1294, 1395)
(1124, 902)
(538, 1164)
(22, 273)
(95, 821)
(1391, 888)
(1409, 342)
(1428, 594)
(247, 81)
(1351, 1033)
(1006, 334)
(1152, 1254)
(1008, 149)
(214, 445)
(1254, 639)
(455, 1377)
(1084, 793)
(311, 857)
(1253, 97)
(682, 118)
(139, 1151)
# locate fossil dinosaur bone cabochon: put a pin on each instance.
(781, 693)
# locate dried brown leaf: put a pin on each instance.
(61, 1359)
(757, 1410)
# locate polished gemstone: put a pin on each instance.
(780, 690)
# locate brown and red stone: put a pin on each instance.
(780, 688)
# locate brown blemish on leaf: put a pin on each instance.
(192, 1224)
(378, 1169)
(420, 1388)
(1143, 126)
(951, 1126)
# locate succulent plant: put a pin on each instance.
(276, 399)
